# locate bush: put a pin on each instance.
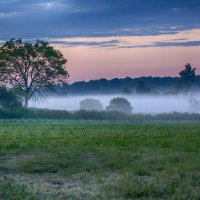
(91, 105)
(120, 104)
(8, 99)
(23, 113)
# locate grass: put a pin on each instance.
(42, 159)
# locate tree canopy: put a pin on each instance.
(141, 88)
(187, 77)
(120, 104)
(31, 67)
(91, 105)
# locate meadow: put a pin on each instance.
(116, 160)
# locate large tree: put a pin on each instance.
(187, 77)
(31, 67)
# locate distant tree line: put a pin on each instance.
(95, 115)
(143, 85)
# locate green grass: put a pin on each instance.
(99, 160)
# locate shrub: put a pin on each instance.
(91, 105)
(120, 104)
(8, 99)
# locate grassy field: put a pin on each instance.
(99, 160)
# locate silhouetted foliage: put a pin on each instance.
(95, 115)
(91, 105)
(104, 86)
(120, 104)
(8, 100)
(141, 88)
(127, 91)
(31, 67)
(187, 77)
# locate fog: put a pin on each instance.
(141, 104)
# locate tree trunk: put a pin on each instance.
(26, 101)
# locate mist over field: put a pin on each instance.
(141, 103)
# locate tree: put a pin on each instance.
(141, 88)
(120, 104)
(8, 99)
(31, 67)
(187, 77)
(127, 91)
(91, 105)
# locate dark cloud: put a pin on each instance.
(165, 44)
(171, 44)
(90, 44)
(82, 18)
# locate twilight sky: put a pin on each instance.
(110, 38)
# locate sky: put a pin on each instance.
(110, 38)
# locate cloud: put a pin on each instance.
(8, 15)
(89, 18)
(49, 5)
(8, 1)
(88, 43)
(183, 44)
(166, 44)
(182, 38)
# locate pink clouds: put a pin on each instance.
(87, 62)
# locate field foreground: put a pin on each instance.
(100, 160)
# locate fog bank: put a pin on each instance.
(140, 104)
